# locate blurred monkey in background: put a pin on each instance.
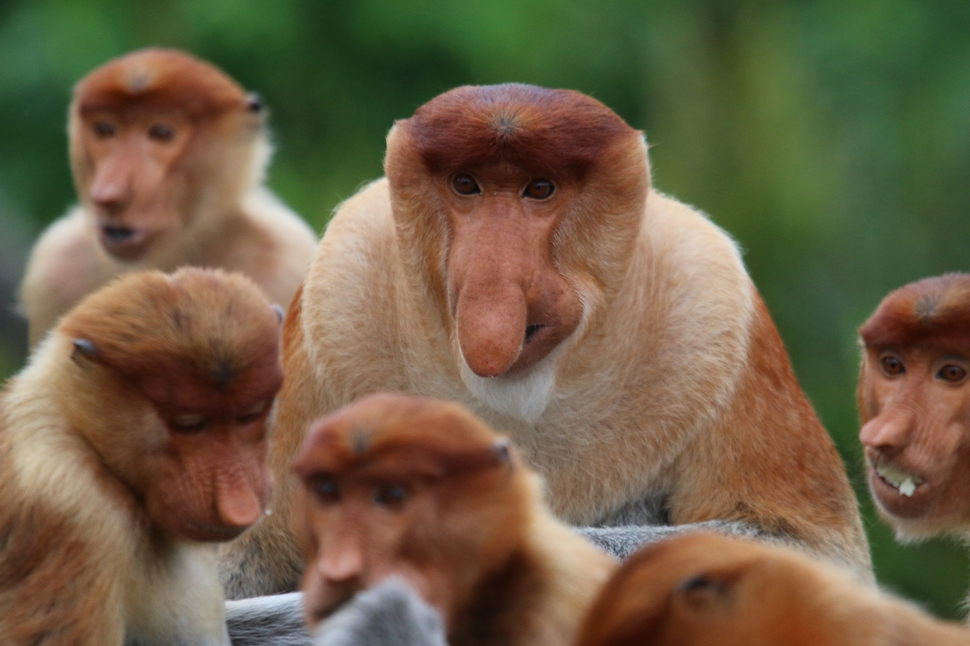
(169, 156)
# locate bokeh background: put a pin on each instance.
(831, 138)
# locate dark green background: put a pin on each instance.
(832, 139)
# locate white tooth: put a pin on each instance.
(908, 487)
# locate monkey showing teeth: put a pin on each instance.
(914, 405)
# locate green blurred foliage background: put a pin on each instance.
(831, 138)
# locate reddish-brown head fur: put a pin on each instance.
(914, 402)
(397, 485)
(175, 376)
(710, 590)
(486, 183)
(143, 129)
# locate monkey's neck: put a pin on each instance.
(503, 606)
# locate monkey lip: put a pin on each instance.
(207, 533)
(122, 241)
(893, 485)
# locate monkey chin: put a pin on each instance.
(524, 395)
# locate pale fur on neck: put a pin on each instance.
(525, 396)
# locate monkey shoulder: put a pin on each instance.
(353, 275)
(692, 252)
(276, 247)
(43, 549)
(63, 267)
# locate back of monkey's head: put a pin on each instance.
(197, 339)
(162, 79)
(712, 590)
(931, 314)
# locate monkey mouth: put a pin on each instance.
(122, 241)
(206, 533)
(902, 481)
(531, 331)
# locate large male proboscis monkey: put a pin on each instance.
(133, 440)
(168, 156)
(711, 590)
(423, 490)
(517, 260)
(914, 405)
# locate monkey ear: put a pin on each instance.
(83, 348)
(254, 102)
(703, 593)
(500, 449)
(279, 312)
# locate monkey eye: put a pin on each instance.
(325, 488)
(161, 132)
(103, 129)
(189, 422)
(390, 495)
(465, 184)
(252, 413)
(539, 189)
(952, 373)
(891, 366)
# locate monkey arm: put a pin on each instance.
(275, 620)
(389, 614)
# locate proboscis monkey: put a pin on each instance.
(914, 404)
(711, 590)
(169, 156)
(423, 490)
(133, 440)
(517, 260)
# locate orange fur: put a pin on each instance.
(168, 155)
(708, 590)
(135, 437)
(612, 331)
(397, 485)
(914, 404)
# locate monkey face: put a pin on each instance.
(417, 488)
(130, 182)
(211, 482)
(915, 405)
(152, 133)
(175, 376)
(363, 531)
(510, 303)
(493, 178)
